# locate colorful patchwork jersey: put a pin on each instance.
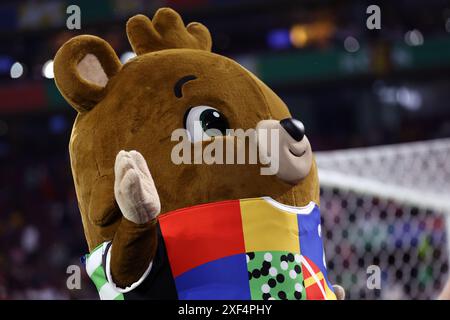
(250, 249)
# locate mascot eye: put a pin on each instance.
(202, 120)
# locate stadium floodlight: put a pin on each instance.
(47, 69)
(414, 38)
(351, 44)
(16, 70)
(127, 56)
(279, 39)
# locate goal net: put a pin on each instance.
(389, 207)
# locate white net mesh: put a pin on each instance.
(387, 206)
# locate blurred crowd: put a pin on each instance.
(40, 229)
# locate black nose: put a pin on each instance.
(294, 127)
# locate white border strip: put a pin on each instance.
(297, 210)
(110, 280)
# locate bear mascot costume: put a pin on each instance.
(162, 222)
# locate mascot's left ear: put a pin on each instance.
(83, 66)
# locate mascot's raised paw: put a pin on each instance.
(134, 188)
(339, 292)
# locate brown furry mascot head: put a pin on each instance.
(174, 82)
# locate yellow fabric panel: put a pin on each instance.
(330, 294)
(267, 228)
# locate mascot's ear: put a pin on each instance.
(83, 67)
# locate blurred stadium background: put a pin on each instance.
(383, 94)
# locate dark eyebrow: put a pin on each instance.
(180, 83)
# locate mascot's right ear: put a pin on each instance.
(83, 67)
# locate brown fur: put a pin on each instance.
(138, 110)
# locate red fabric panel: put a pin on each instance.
(214, 230)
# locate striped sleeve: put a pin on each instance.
(96, 271)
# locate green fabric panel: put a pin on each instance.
(99, 277)
(119, 297)
(275, 275)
